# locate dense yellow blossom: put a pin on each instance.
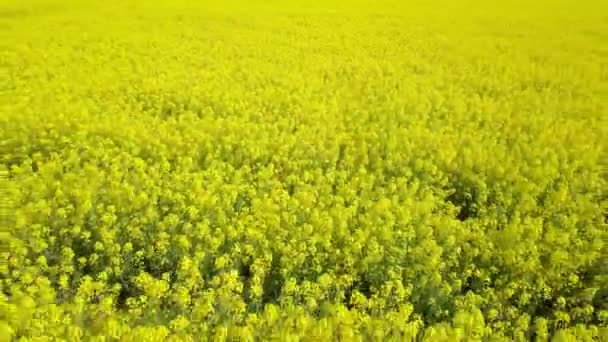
(241, 170)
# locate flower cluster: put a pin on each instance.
(178, 171)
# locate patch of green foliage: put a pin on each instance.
(341, 170)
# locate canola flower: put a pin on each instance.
(312, 171)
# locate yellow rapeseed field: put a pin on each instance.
(265, 170)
